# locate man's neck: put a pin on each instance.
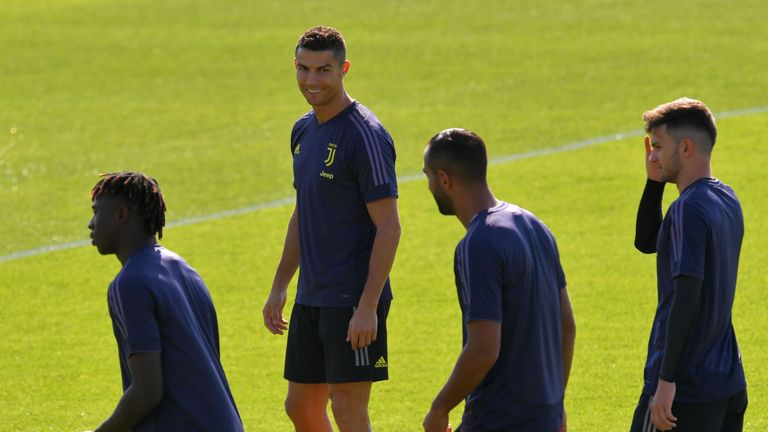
(323, 113)
(476, 199)
(130, 248)
(703, 170)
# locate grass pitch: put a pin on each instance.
(202, 96)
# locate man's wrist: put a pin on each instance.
(367, 301)
(438, 408)
(279, 288)
(367, 305)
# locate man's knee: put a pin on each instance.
(303, 403)
(350, 407)
(350, 415)
(294, 407)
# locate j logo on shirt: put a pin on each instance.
(331, 154)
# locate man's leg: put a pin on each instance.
(349, 402)
(734, 417)
(351, 373)
(700, 417)
(721, 416)
(307, 400)
(306, 405)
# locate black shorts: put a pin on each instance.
(725, 415)
(317, 350)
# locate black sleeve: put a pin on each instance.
(649, 217)
(686, 298)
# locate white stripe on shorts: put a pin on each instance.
(361, 355)
(647, 423)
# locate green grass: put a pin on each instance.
(202, 96)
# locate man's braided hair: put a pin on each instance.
(141, 191)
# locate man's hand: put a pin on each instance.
(273, 312)
(363, 327)
(653, 170)
(661, 406)
(436, 421)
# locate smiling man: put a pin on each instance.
(343, 234)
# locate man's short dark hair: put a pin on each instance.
(458, 152)
(142, 193)
(322, 38)
(683, 117)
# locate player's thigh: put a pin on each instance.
(304, 351)
(342, 363)
(700, 417)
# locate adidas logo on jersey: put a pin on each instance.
(380, 363)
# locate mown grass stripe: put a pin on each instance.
(401, 180)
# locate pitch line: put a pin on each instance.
(401, 180)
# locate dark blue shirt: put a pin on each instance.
(508, 269)
(338, 167)
(701, 237)
(158, 303)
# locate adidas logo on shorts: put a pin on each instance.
(380, 363)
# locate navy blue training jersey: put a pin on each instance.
(700, 237)
(508, 269)
(338, 167)
(158, 303)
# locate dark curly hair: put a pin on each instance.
(141, 191)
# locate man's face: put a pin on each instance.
(443, 201)
(104, 224)
(665, 153)
(319, 76)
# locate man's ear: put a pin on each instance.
(123, 214)
(345, 67)
(687, 147)
(443, 179)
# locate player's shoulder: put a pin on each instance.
(725, 191)
(509, 224)
(700, 194)
(484, 234)
(506, 216)
(147, 263)
(365, 122)
(302, 122)
(363, 112)
(694, 203)
(131, 279)
(306, 117)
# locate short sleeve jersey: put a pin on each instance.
(700, 237)
(338, 167)
(508, 269)
(158, 303)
